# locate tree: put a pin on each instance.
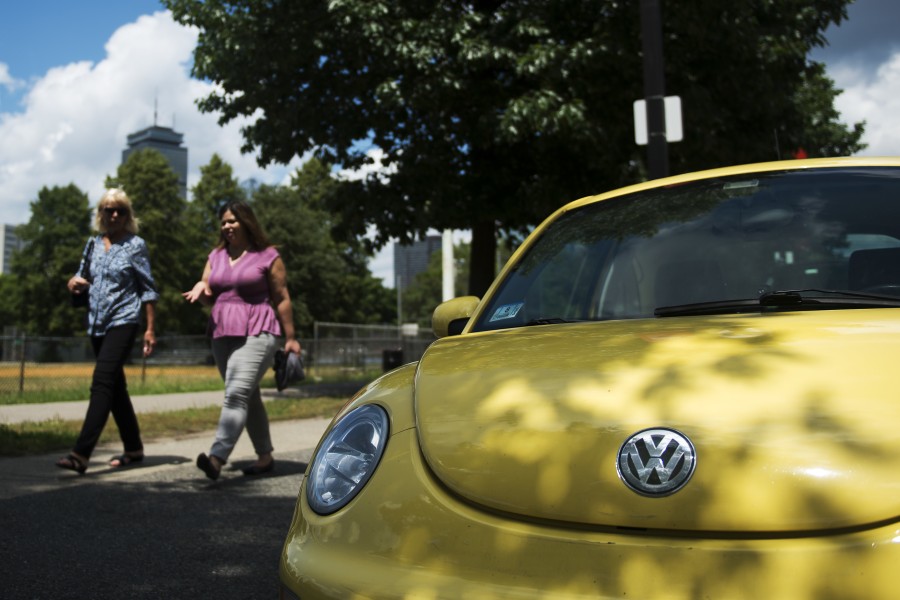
(490, 114)
(152, 186)
(10, 302)
(54, 238)
(328, 280)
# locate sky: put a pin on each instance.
(76, 77)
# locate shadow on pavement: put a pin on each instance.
(149, 532)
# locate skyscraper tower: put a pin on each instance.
(9, 243)
(168, 142)
(412, 259)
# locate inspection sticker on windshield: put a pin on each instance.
(507, 311)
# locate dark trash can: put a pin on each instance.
(391, 359)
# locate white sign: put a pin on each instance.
(674, 132)
(409, 329)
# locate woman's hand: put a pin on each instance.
(200, 292)
(78, 285)
(292, 346)
(149, 342)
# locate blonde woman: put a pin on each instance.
(121, 283)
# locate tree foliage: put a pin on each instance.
(487, 115)
(328, 280)
(9, 303)
(54, 238)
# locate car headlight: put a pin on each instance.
(346, 459)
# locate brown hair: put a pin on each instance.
(256, 237)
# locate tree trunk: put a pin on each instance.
(483, 257)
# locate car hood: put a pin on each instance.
(793, 418)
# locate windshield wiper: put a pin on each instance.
(823, 296)
(547, 321)
(800, 299)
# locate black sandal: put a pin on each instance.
(72, 463)
(125, 460)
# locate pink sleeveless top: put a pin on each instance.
(241, 290)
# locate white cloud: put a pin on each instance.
(9, 84)
(74, 121)
(382, 265)
(874, 98)
(6, 80)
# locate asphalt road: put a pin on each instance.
(157, 531)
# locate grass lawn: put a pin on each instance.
(66, 382)
(61, 382)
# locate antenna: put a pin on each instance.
(155, 100)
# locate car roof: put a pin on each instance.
(782, 165)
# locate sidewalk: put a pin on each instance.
(75, 411)
(170, 458)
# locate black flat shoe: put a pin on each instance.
(255, 470)
(206, 465)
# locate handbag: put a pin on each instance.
(81, 300)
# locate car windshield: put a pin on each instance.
(820, 232)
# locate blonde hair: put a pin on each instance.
(117, 197)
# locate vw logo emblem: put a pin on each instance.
(656, 462)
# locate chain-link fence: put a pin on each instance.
(336, 351)
(366, 347)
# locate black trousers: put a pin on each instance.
(109, 392)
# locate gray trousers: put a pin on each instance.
(242, 362)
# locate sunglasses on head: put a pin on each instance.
(115, 209)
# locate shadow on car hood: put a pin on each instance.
(793, 418)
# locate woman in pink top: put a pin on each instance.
(245, 282)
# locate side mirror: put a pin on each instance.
(450, 317)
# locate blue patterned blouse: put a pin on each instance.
(120, 283)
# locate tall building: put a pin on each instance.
(9, 243)
(168, 142)
(411, 260)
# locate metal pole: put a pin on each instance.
(22, 366)
(398, 279)
(447, 275)
(654, 89)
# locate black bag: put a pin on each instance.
(288, 369)
(81, 300)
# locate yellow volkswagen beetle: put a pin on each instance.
(688, 388)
